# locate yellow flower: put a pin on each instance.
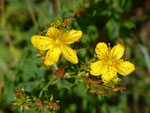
(56, 43)
(110, 63)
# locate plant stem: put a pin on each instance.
(51, 82)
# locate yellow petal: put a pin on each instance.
(125, 67)
(52, 56)
(69, 54)
(117, 51)
(108, 74)
(96, 68)
(101, 50)
(53, 33)
(71, 36)
(41, 42)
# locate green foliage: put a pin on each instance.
(100, 20)
(113, 29)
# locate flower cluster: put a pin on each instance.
(109, 60)
(105, 71)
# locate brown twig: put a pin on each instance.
(2, 8)
(97, 83)
(69, 19)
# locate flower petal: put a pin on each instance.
(108, 74)
(125, 67)
(96, 68)
(52, 56)
(117, 51)
(71, 36)
(41, 42)
(101, 50)
(53, 33)
(69, 54)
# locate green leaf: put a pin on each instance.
(30, 68)
(64, 83)
(3, 64)
(129, 24)
(112, 28)
(71, 108)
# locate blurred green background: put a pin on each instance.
(100, 20)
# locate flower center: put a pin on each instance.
(58, 42)
(109, 61)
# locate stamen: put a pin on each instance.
(109, 46)
(109, 51)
